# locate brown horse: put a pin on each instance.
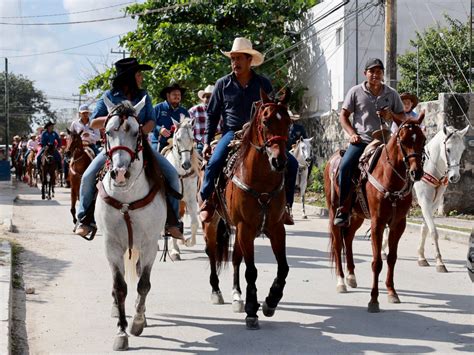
(388, 196)
(48, 172)
(31, 168)
(80, 158)
(19, 163)
(253, 201)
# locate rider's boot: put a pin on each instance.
(86, 225)
(173, 227)
(343, 212)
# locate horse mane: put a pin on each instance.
(152, 169)
(246, 140)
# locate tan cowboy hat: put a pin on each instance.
(411, 97)
(208, 90)
(243, 45)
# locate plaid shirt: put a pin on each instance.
(199, 114)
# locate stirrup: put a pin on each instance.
(88, 229)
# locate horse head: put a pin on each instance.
(124, 140)
(73, 142)
(453, 148)
(183, 141)
(272, 123)
(303, 151)
(411, 140)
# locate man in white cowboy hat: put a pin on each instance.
(81, 126)
(232, 100)
(199, 114)
(165, 112)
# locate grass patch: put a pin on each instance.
(17, 279)
(459, 229)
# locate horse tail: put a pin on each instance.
(222, 244)
(131, 274)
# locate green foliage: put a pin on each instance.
(27, 105)
(434, 51)
(317, 179)
(183, 44)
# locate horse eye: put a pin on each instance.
(107, 133)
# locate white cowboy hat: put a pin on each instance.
(243, 45)
(208, 90)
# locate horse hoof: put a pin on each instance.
(138, 325)
(121, 343)
(373, 307)
(115, 311)
(393, 299)
(341, 289)
(190, 242)
(238, 306)
(351, 281)
(384, 256)
(216, 298)
(441, 268)
(42, 197)
(252, 323)
(175, 257)
(267, 311)
(423, 262)
(305, 217)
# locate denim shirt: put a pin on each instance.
(296, 132)
(233, 102)
(50, 138)
(164, 115)
(117, 96)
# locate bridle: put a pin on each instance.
(188, 129)
(109, 151)
(262, 130)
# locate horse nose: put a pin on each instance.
(415, 175)
(278, 163)
(119, 175)
(454, 179)
(186, 165)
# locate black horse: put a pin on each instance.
(48, 172)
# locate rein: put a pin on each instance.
(262, 130)
(124, 208)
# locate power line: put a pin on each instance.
(68, 13)
(125, 15)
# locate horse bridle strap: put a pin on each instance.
(125, 207)
(405, 191)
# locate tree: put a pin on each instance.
(27, 105)
(183, 44)
(438, 48)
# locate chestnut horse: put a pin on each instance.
(80, 158)
(388, 196)
(253, 201)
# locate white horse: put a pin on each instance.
(443, 153)
(302, 153)
(129, 211)
(186, 161)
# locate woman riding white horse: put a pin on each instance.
(130, 210)
(443, 156)
(186, 161)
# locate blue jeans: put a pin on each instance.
(348, 166)
(87, 189)
(290, 178)
(215, 164)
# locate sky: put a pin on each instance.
(60, 74)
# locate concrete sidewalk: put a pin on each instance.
(450, 228)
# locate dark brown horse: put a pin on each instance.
(388, 196)
(20, 164)
(253, 201)
(80, 159)
(48, 172)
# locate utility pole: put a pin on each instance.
(357, 42)
(470, 50)
(417, 70)
(122, 52)
(80, 98)
(7, 118)
(391, 43)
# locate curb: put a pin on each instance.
(444, 233)
(5, 296)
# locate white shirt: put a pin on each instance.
(32, 144)
(78, 127)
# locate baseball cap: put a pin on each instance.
(374, 62)
(84, 108)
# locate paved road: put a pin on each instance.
(70, 310)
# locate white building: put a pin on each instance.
(326, 62)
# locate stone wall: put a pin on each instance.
(449, 109)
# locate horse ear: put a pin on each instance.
(309, 139)
(421, 117)
(176, 123)
(464, 131)
(285, 98)
(138, 107)
(108, 104)
(68, 131)
(445, 129)
(181, 117)
(191, 122)
(264, 96)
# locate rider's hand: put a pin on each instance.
(164, 132)
(355, 138)
(385, 113)
(206, 151)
